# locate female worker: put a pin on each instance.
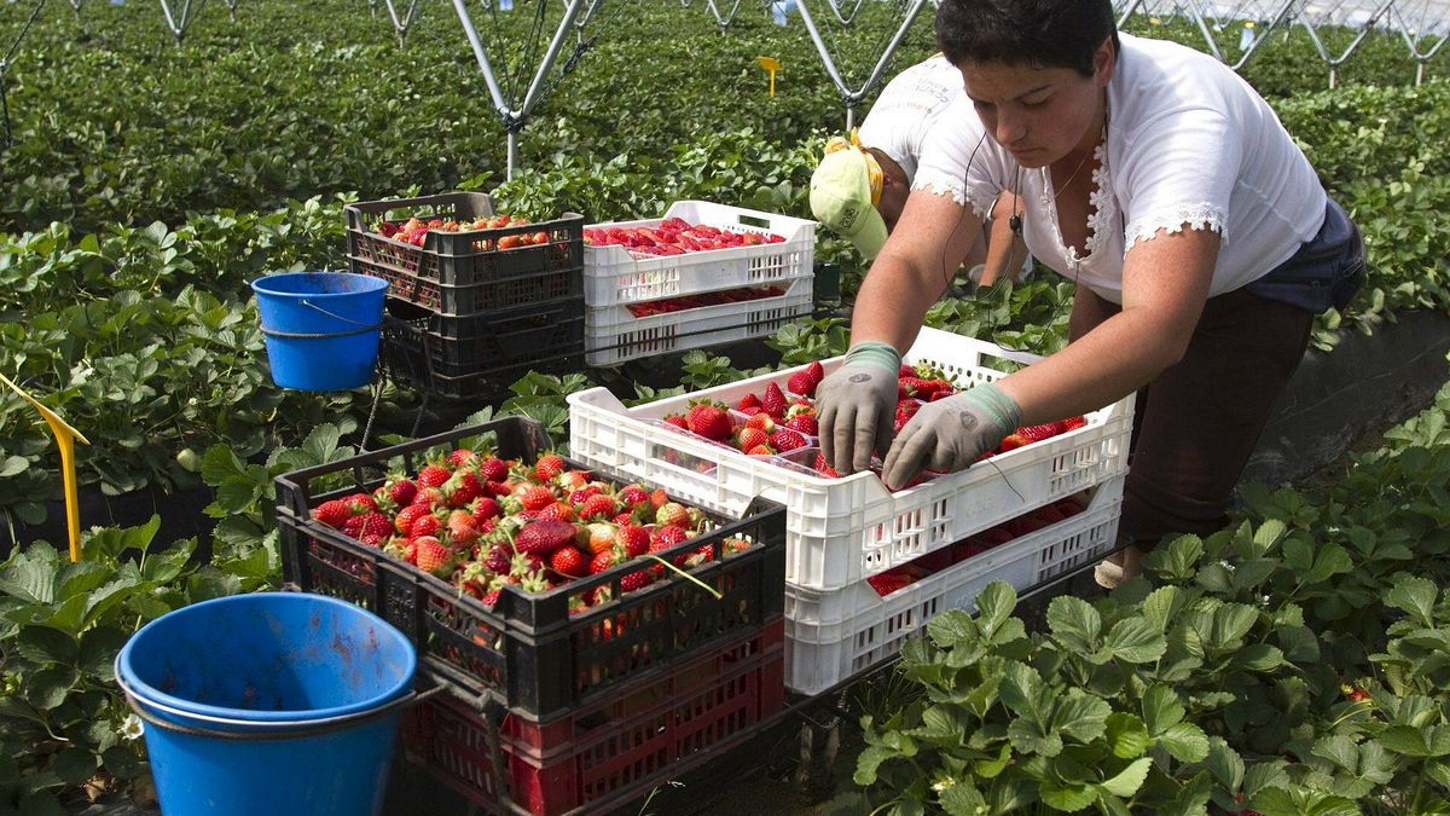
(1153, 177)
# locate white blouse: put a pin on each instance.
(1189, 145)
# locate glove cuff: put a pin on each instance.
(995, 403)
(874, 353)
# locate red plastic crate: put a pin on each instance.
(605, 754)
(528, 651)
(463, 273)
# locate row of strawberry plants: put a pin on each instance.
(294, 100)
(1291, 665)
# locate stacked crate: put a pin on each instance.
(465, 317)
(547, 708)
(619, 282)
(843, 532)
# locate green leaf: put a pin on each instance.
(1230, 623)
(1127, 782)
(46, 645)
(1225, 764)
(30, 574)
(219, 464)
(1032, 737)
(995, 604)
(48, 688)
(13, 466)
(870, 760)
(1080, 716)
(322, 443)
(1023, 692)
(74, 766)
(1258, 657)
(1414, 595)
(1135, 640)
(1127, 735)
(1161, 709)
(962, 800)
(1329, 560)
(1186, 742)
(1074, 622)
(1068, 797)
(954, 628)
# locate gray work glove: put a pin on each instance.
(855, 406)
(950, 434)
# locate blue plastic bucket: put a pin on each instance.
(322, 329)
(269, 703)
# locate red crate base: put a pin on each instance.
(607, 753)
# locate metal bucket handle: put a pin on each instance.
(363, 328)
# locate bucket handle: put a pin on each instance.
(363, 328)
(268, 730)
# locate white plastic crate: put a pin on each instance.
(834, 636)
(840, 531)
(613, 277)
(613, 334)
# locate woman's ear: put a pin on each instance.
(1104, 60)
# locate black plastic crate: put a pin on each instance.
(478, 355)
(461, 273)
(528, 652)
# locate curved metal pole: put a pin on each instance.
(1334, 62)
(852, 97)
(723, 20)
(401, 26)
(1413, 43)
(846, 20)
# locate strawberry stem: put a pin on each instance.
(702, 584)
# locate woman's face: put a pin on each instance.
(1039, 115)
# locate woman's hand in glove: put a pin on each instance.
(855, 406)
(950, 434)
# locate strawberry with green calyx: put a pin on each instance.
(569, 562)
(461, 488)
(375, 529)
(673, 513)
(397, 491)
(534, 496)
(804, 423)
(433, 557)
(749, 404)
(749, 438)
(548, 467)
(709, 419)
(598, 506)
(677, 420)
(493, 469)
(462, 458)
(433, 475)
(334, 513)
(426, 525)
(461, 529)
(361, 503)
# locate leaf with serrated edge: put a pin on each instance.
(1186, 742)
(994, 606)
(1130, 779)
(1075, 623)
(1135, 640)
(1081, 716)
(1161, 709)
(1127, 735)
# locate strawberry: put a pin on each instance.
(748, 404)
(710, 421)
(558, 511)
(400, 491)
(461, 530)
(773, 401)
(805, 423)
(761, 421)
(403, 521)
(1037, 433)
(543, 536)
(433, 557)
(634, 497)
(1073, 423)
(534, 496)
(635, 580)
(333, 513)
(376, 528)
(490, 599)
(677, 420)
(598, 506)
(484, 508)
(787, 440)
(673, 513)
(1012, 441)
(497, 559)
(599, 536)
(572, 480)
(361, 503)
(635, 540)
(462, 458)
(821, 466)
(425, 525)
(461, 489)
(751, 437)
(761, 450)
(800, 383)
(493, 469)
(817, 373)
(548, 467)
(570, 562)
(602, 561)
(433, 476)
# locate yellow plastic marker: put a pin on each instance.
(65, 437)
(771, 66)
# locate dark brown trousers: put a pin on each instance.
(1195, 426)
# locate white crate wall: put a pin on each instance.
(833, 636)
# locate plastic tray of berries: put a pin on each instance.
(834, 636)
(713, 448)
(615, 334)
(697, 247)
(520, 575)
(545, 336)
(606, 753)
(454, 254)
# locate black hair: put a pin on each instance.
(1044, 33)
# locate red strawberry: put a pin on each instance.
(805, 423)
(462, 457)
(403, 521)
(633, 497)
(787, 440)
(548, 467)
(678, 420)
(761, 450)
(484, 508)
(635, 580)
(461, 489)
(433, 475)
(558, 511)
(543, 536)
(602, 561)
(425, 525)
(773, 401)
(493, 469)
(710, 421)
(333, 513)
(1073, 423)
(748, 404)
(817, 373)
(635, 540)
(401, 491)
(535, 497)
(1013, 441)
(821, 466)
(761, 421)
(376, 529)
(461, 529)
(801, 383)
(361, 503)
(433, 557)
(598, 506)
(569, 561)
(1037, 433)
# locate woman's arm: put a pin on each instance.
(1165, 285)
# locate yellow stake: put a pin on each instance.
(771, 66)
(65, 437)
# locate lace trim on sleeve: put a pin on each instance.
(937, 182)
(1188, 216)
